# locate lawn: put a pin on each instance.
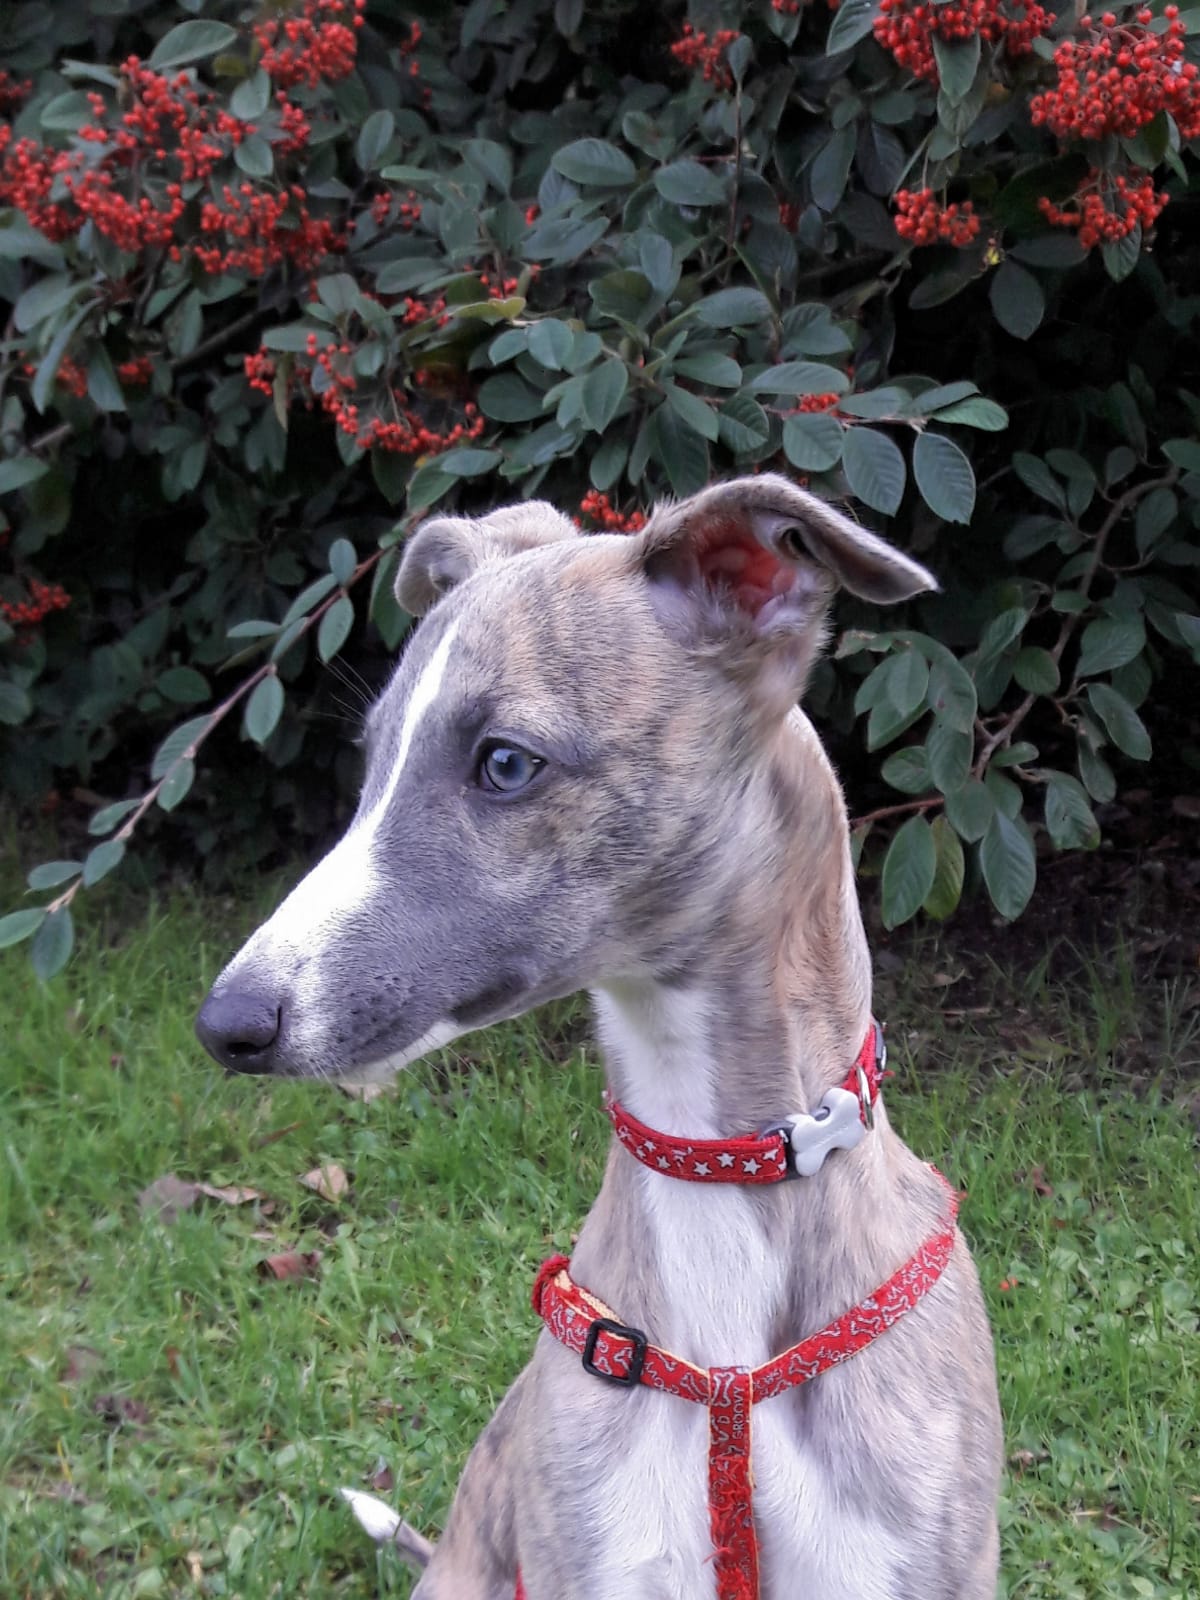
(177, 1423)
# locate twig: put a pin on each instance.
(905, 808)
(268, 669)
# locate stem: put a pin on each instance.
(268, 669)
(1003, 734)
(904, 809)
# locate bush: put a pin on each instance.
(282, 274)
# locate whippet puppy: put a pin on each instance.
(589, 772)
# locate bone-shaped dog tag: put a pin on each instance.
(836, 1124)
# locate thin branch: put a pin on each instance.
(904, 809)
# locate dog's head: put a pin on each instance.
(562, 777)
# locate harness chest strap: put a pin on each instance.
(623, 1355)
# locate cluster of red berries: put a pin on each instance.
(907, 28)
(72, 376)
(43, 599)
(789, 214)
(171, 134)
(318, 45)
(810, 403)
(1119, 79)
(136, 372)
(696, 50)
(13, 91)
(327, 377)
(920, 219)
(598, 509)
(1107, 208)
(255, 230)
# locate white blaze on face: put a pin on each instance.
(345, 879)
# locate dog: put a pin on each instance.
(590, 771)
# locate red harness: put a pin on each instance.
(623, 1355)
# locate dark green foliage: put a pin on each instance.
(551, 255)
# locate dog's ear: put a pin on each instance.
(446, 550)
(748, 569)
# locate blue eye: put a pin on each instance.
(505, 768)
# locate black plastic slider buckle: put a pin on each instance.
(637, 1359)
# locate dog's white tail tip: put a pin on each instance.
(377, 1520)
(384, 1526)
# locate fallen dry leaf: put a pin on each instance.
(329, 1181)
(119, 1408)
(1020, 1460)
(1037, 1182)
(233, 1195)
(382, 1478)
(265, 1139)
(166, 1197)
(291, 1264)
(82, 1362)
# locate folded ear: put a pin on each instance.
(749, 567)
(445, 551)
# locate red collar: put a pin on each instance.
(623, 1355)
(793, 1147)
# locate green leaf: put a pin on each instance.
(975, 413)
(852, 21)
(1017, 299)
(1001, 631)
(684, 452)
(465, 461)
(1036, 475)
(1036, 670)
(689, 183)
(491, 160)
(104, 389)
(102, 858)
(49, 874)
(831, 167)
(343, 558)
(1121, 255)
(1155, 514)
(18, 925)
(1110, 642)
(308, 597)
(946, 890)
(957, 63)
(251, 97)
(798, 377)
(906, 680)
(595, 163)
(550, 342)
(694, 411)
(191, 41)
(51, 948)
(1183, 453)
(1125, 728)
(969, 809)
(813, 443)
(108, 816)
(176, 783)
(374, 137)
(735, 308)
(253, 628)
(508, 398)
(184, 685)
(718, 371)
(1098, 777)
(1070, 821)
(907, 770)
(950, 751)
(1009, 864)
(874, 469)
(743, 424)
(603, 391)
(254, 157)
(263, 709)
(908, 871)
(19, 471)
(334, 627)
(952, 693)
(179, 741)
(944, 477)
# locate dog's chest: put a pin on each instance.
(812, 1545)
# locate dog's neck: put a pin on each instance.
(773, 1011)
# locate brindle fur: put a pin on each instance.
(684, 856)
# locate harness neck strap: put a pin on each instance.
(794, 1147)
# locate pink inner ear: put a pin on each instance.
(731, 559)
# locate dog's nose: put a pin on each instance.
(239, 1026)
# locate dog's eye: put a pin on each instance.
(506, 768)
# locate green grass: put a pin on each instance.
(173, 1424)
